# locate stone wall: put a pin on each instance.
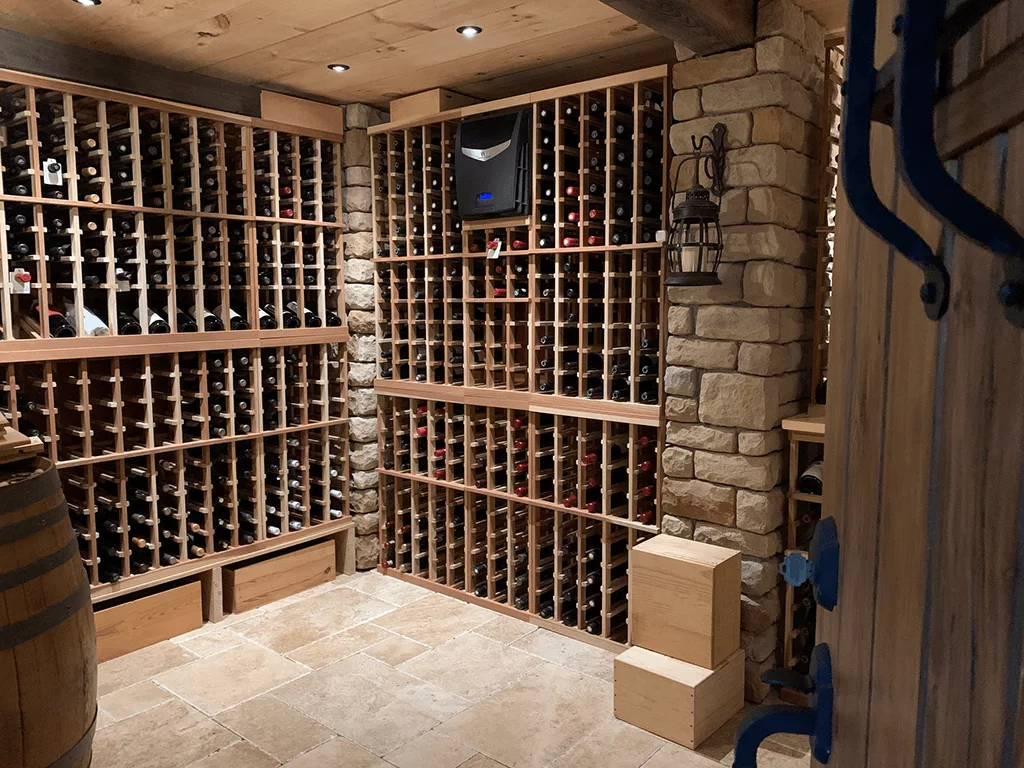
(738, 354)
(357, 200)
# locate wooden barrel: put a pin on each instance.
(47, 636)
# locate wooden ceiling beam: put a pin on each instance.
(703, 26)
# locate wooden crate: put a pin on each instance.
(685, 599)
(251, 586)
(130, 626)
(676, 700)
(428, 103)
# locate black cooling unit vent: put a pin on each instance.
(492, 166)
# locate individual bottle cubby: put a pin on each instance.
(17, 130)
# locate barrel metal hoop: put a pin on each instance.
(20, 530)
(21, 631)
(77, 752)
(43, 565)
(17, 496)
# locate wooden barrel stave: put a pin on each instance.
(47, 635)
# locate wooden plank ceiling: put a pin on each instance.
(394, 47)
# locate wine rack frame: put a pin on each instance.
(415, 296)
(138, 377)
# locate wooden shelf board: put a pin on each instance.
(805, 423)
(797, 496)
(103, 592)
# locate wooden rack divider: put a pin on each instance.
(191, 386)
(520, 396)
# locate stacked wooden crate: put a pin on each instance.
(683, 677)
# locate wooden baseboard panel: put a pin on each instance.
(127, 627)
(250, 586)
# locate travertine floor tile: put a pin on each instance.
(536, 719)
(431, 750)
(211, 642)
(103, 720)
(505, 629)
(218, 682)
(338, 753)
(171, 735)
(274, 727)
(395, 650)
(141, 665)
(357, 708)
(435, 619)
(471, 666)
(389, 589)
(613, 744)
(306, 621)
(767, 758)
(574, 654)
(337, 647)
(674, 756)
(129, 701)
(483, 761)
(241, 754)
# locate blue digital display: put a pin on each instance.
(484, 196)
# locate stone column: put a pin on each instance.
(738, 354)
(357, 199)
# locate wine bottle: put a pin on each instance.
(235, 320)
(60, 326)
(810, 480)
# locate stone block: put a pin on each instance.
(362, 402)
(737, 130)
(682, 52)
(686, 104)
(681, 409)
(680, 321)
(363, 456)
(814, 38)
(363, 116)
(760, 512)
(755, 689)
(699, 353)
(757, 473)
(738, 323)
(794, 386)
(677, 526)
(739, 400)
(772, 205)
(781, 17)
(357, 222)
(358, 176)
(699, 501)
(794, 324)
(357, 199)
(362, 479)
(362, 349)
(355, 148)
(775, 284)
(761, 443)
(680, 381)
(774, 125)
(766, 241)
(367, 524)
(754, 544)
(359, 271)
(362, 374)
(730, 290)
(702, 437)
(758, 646)
(715, 68)
(767, 90)
(757, 614)
(361, 321)
(678, 462)
(769, 165)
(733, 209)
(358, 245)
(791, 409)
(780, 54)
(758, 576)
(770, 359)
(367, 552)
(362, 430)
(362, 503)
(359, 296)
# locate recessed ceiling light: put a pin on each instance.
(469, 31)
(338, 67)
(89, 3)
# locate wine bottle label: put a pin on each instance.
(91, 324)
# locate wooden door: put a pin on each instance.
(925, 463)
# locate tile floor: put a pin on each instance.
(371, 672)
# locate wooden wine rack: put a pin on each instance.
(521, 395)
(179, 449)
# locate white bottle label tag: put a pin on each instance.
(660, 236)
(493, 249)
(21, 281)
(53, 173)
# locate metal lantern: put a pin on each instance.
(695, 243)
